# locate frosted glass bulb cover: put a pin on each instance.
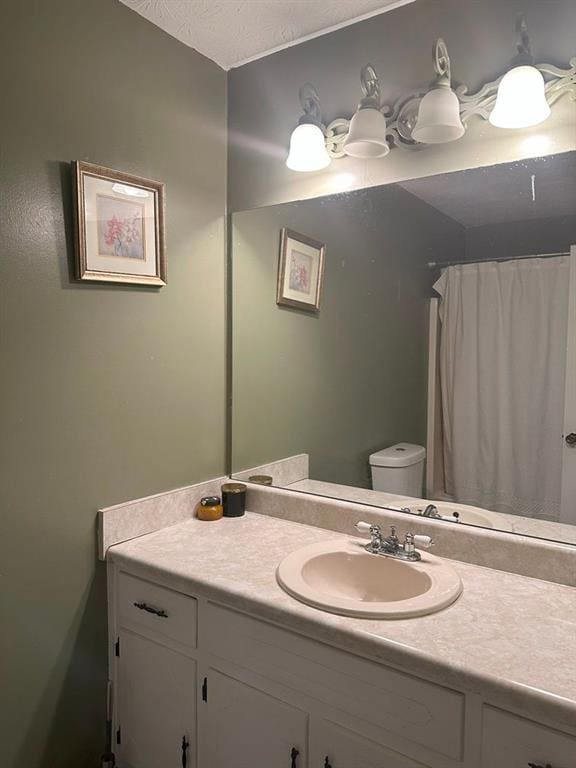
(438, 117)
(307, 149)
(521, 100)
(367, 135)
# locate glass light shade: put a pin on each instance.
(307, 149)
(367, 134)
(521, 100)
(438, 117)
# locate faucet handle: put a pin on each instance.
(409, 547)
(423, 542)
(362, 527)
(375, 536)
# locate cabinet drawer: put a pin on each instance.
(156, 611)
(406, 707)
(509, 741)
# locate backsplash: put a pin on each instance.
(523, 555)
(135, 518)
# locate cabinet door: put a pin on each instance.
(509, 741)
(332, 746)
(156, 705)
(250, 729)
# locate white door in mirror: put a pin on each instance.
(568, 492)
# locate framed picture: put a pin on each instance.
(119, 227)
(300, 271)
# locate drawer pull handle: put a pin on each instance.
(294, 756)
(185, 745)
(537, 765)
(327, 763)
(150, 609)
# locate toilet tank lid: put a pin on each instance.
(399, 455)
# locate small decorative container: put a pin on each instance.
(234, 499)
(260, 479)
(209, 508)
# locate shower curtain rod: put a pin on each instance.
(440, 264)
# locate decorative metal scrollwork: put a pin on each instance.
(442, 60)
(370, 87)
(336, 133)
(310, 102)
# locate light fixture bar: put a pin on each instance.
(402, 116)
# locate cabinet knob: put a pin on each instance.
(293, 757)
(327, 763)
(570, 440)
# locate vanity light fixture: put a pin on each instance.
(307, 142)
(518, 99)
(439, 112)
(367, 132)
(521, 100)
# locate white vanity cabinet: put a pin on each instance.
(200, 685)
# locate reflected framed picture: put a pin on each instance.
(119, 227)
(300, 271)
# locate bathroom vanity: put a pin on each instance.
(213, 665)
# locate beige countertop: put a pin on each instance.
(508, 638)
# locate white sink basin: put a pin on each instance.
(341, 577)
(466, 513)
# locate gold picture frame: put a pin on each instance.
(300, 271)
(120, 227)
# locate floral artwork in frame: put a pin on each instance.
(119, 227)
(300, 271)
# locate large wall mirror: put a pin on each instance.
(438, 376)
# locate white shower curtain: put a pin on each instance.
(502, 370)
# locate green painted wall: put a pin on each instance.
(351, 380)
(107, 393)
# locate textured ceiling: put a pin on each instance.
(530, 189)
(231, 32)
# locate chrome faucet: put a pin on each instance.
(431, 511)
(391, 545)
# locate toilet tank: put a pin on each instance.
(399, 469)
